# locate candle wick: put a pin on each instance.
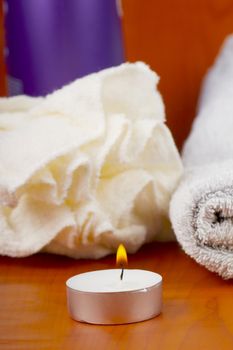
(122, 274)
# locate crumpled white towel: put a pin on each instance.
(87, 167)
(202, 207)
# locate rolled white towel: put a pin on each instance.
(87, 167)
(201, 209)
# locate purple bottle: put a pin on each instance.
(52, 42)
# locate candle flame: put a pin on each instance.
(121, 256)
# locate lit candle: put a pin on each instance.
(115, 296)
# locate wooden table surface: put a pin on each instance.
(197, 311)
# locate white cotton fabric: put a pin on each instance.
(88, 167)
(202, 207)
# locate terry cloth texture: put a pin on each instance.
(88, 167)
(201, 209)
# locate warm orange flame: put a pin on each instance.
(121, 257)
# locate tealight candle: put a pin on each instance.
(114, 296)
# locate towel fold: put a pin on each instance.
(87, 167)
(201, 209)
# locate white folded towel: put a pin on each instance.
(87, 167)
(202, 207)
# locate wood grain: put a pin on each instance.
(197, 312)
(179, 40)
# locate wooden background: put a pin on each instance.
(179, 39)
